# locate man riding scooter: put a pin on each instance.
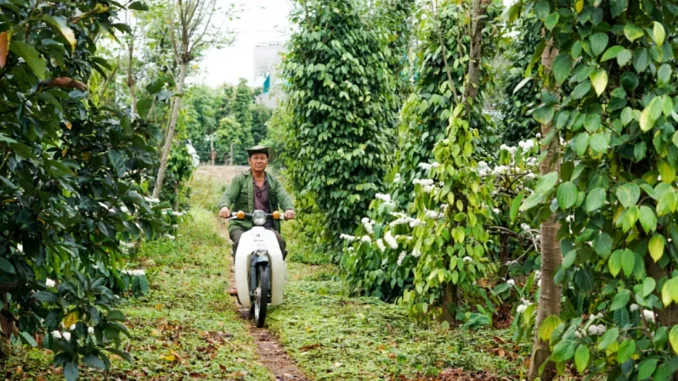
(253, 190)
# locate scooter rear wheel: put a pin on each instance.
(261, 294)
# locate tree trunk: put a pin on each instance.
(230, 162)
(551, 257)
(130, 77)
(170, 131)
(478, 8)
(213, 153)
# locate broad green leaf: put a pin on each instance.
(608, 338)
(7, 266)
(28, 339)
(548, 326)
(579, 6)
(612, 52)
(670, 291)
(564, 350)
(618, 6)
(656, 247)
(599, 143)
(543, 114)
(603, 244)
(581, 90)
(624, 57)
(569, 258)
(667, 105)
(138, 6)
(31, 56)
(628, 260)
(595, 199)
(628, 194)
(632, 32)
(593, 122)
(667, 171)
(599, 43)
(61, 25)
(674, 139)
(667, 203)
(93, 361)
(551, 20)
(546, 182)
(658, 33)
(627, 115)
(629, 218)
(567, 195)
(648, 220)
(599, 81)
(581, 143)
(532, 201)
(71, 371)
(626, 350)
(641, 60)
(646, 368)
(515, 205)
(614, 263)
(620, 300)
(649, 284)
(673, 338)
(562, 66)
(118, 162)
(664, 74)
(581, 358)
(542, 9)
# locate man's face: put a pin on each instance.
(258, 162)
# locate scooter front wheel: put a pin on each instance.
(261, 294)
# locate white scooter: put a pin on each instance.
(260, 270)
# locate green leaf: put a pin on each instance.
(656, 247)
(581, 143)
(71, 371)
(138, 6)
(61, 26)
(515, 205)
(7, 266)
(632, 32)
(542, 9)
(620, 300)
(646, 368)
(581, 358)
(546, 182)
(628, 194)
(664, 74)
(31, 56)
(93, 361)
(581, 90)
(44, 296)
(641, 60)
(626, 350)
(667, 203)
(593, 122)
(567, 195)
(649, 285)
(608, 338)
(658, 33)
(564, 350)
(603, 244)
(599, 143)
(612, 52)
(532, 201)
(648, 220)
(599, 43)
(28, 339)
(667, 171)
(548, 326)
(599, 81)
(569, 258)
(618, 6)
(595, 199)
(674, 139)
(673, 338)
(614, 263)
(624, 57)
(551, 20)
(543, 114)
(670, 291)
(628, 260)
(562, 67)
(117, 162)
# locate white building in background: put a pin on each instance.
(267, 59)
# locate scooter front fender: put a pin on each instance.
(256, 239)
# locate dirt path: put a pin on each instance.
(271, 354)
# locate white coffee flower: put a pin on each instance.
(496, 211)
(380, 244)
(367, 239)
(151, 200)
(397, 178)
(467, 259)
(347, 237)
(511, 282)
(20, 248)
(597, 330)
(416, 253)
(50, 283)
(521, 308)
(56, 335)
(425, 166)
(67, 336)
(401, 257)
(90, 330)
(525, 227)
(383, 197)
(634, 307)
(72, 327)
(170, 237)
(649, 316)
(390, 240)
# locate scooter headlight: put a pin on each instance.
(259, 218)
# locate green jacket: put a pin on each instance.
(240, 196)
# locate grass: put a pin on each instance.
(339, 338)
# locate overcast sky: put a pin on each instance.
(260, 21)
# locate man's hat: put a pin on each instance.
(258, 149)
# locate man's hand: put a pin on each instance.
(289, 215)
(224, 212)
